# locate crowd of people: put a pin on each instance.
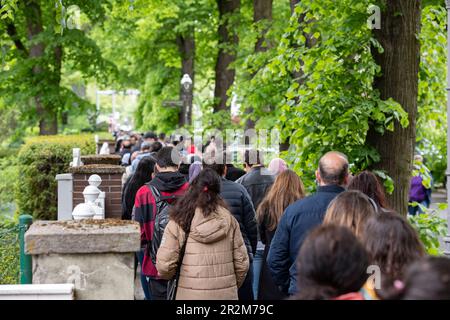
(210, 230)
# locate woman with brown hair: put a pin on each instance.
(393, 244)
(368, 183)
(287, 189)
(350, 209)
(202, 244)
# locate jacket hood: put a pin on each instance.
(212, 228)
(168, 181)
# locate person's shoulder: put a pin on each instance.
(143, 191)
(298, 205)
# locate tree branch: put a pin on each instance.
(12, 32)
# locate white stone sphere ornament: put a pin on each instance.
(83, 211)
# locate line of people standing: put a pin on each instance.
(261, 237)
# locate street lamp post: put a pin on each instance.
(447, 239)
(187, 97)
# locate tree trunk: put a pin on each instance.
(400, 27)
(228, 41)
(293, 3)
(262, 10)
(186, 46)
(48, 118)
(296, 75)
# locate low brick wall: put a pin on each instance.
(108, 159)
(111, 184)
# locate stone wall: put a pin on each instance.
(97, 256)
(111, 184)
(108, 159)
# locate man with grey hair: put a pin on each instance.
(302, 216)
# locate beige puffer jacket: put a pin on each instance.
(215, 262)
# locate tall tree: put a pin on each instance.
(38, 55)
(262, 17)
(399, 61)
(186, 46)
(228, 41)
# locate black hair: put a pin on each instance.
(203, 194)
(141, 176)
(162, 136)
(150, 135)
(168, 157)
(331, 262)
(156, 146)
(210, 161)
(253, 157)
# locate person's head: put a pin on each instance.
(194, 170)
(287, 189)
(218, 165)
(203, 194)
(277, 165)
(146, 146)
(141, 176)
(183, 168)
(133, 140)
(156, 146)
(252, 158)
(425, 279)
(333, 169)
(167, 159)
(392, 244)
(162, 137)
(126, 144)
(150, 137)
(368, 183)
(331, 262)
(351, 209)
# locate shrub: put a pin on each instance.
(9, 251)
(39, 161)
(430, 228)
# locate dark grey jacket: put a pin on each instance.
(240, 205)
(257, 182)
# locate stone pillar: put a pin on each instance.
(65, 196)
(111, 184)
(97, 256)
(111, 145)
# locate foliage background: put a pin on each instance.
(38, 162)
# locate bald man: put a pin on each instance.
(303, 216)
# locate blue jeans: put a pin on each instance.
(417, 210)
(257, 266)
(144, 281)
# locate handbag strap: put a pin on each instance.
(182, 251)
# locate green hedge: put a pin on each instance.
(39, 161)
(9, 252)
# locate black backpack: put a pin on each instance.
(163, 205)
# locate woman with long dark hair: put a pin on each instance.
(287, 189)
(393, 244)
(143, 175)
(215, 260)
(368, 183)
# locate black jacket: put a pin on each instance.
(240, 205)
(233, 173)
(257, 182)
